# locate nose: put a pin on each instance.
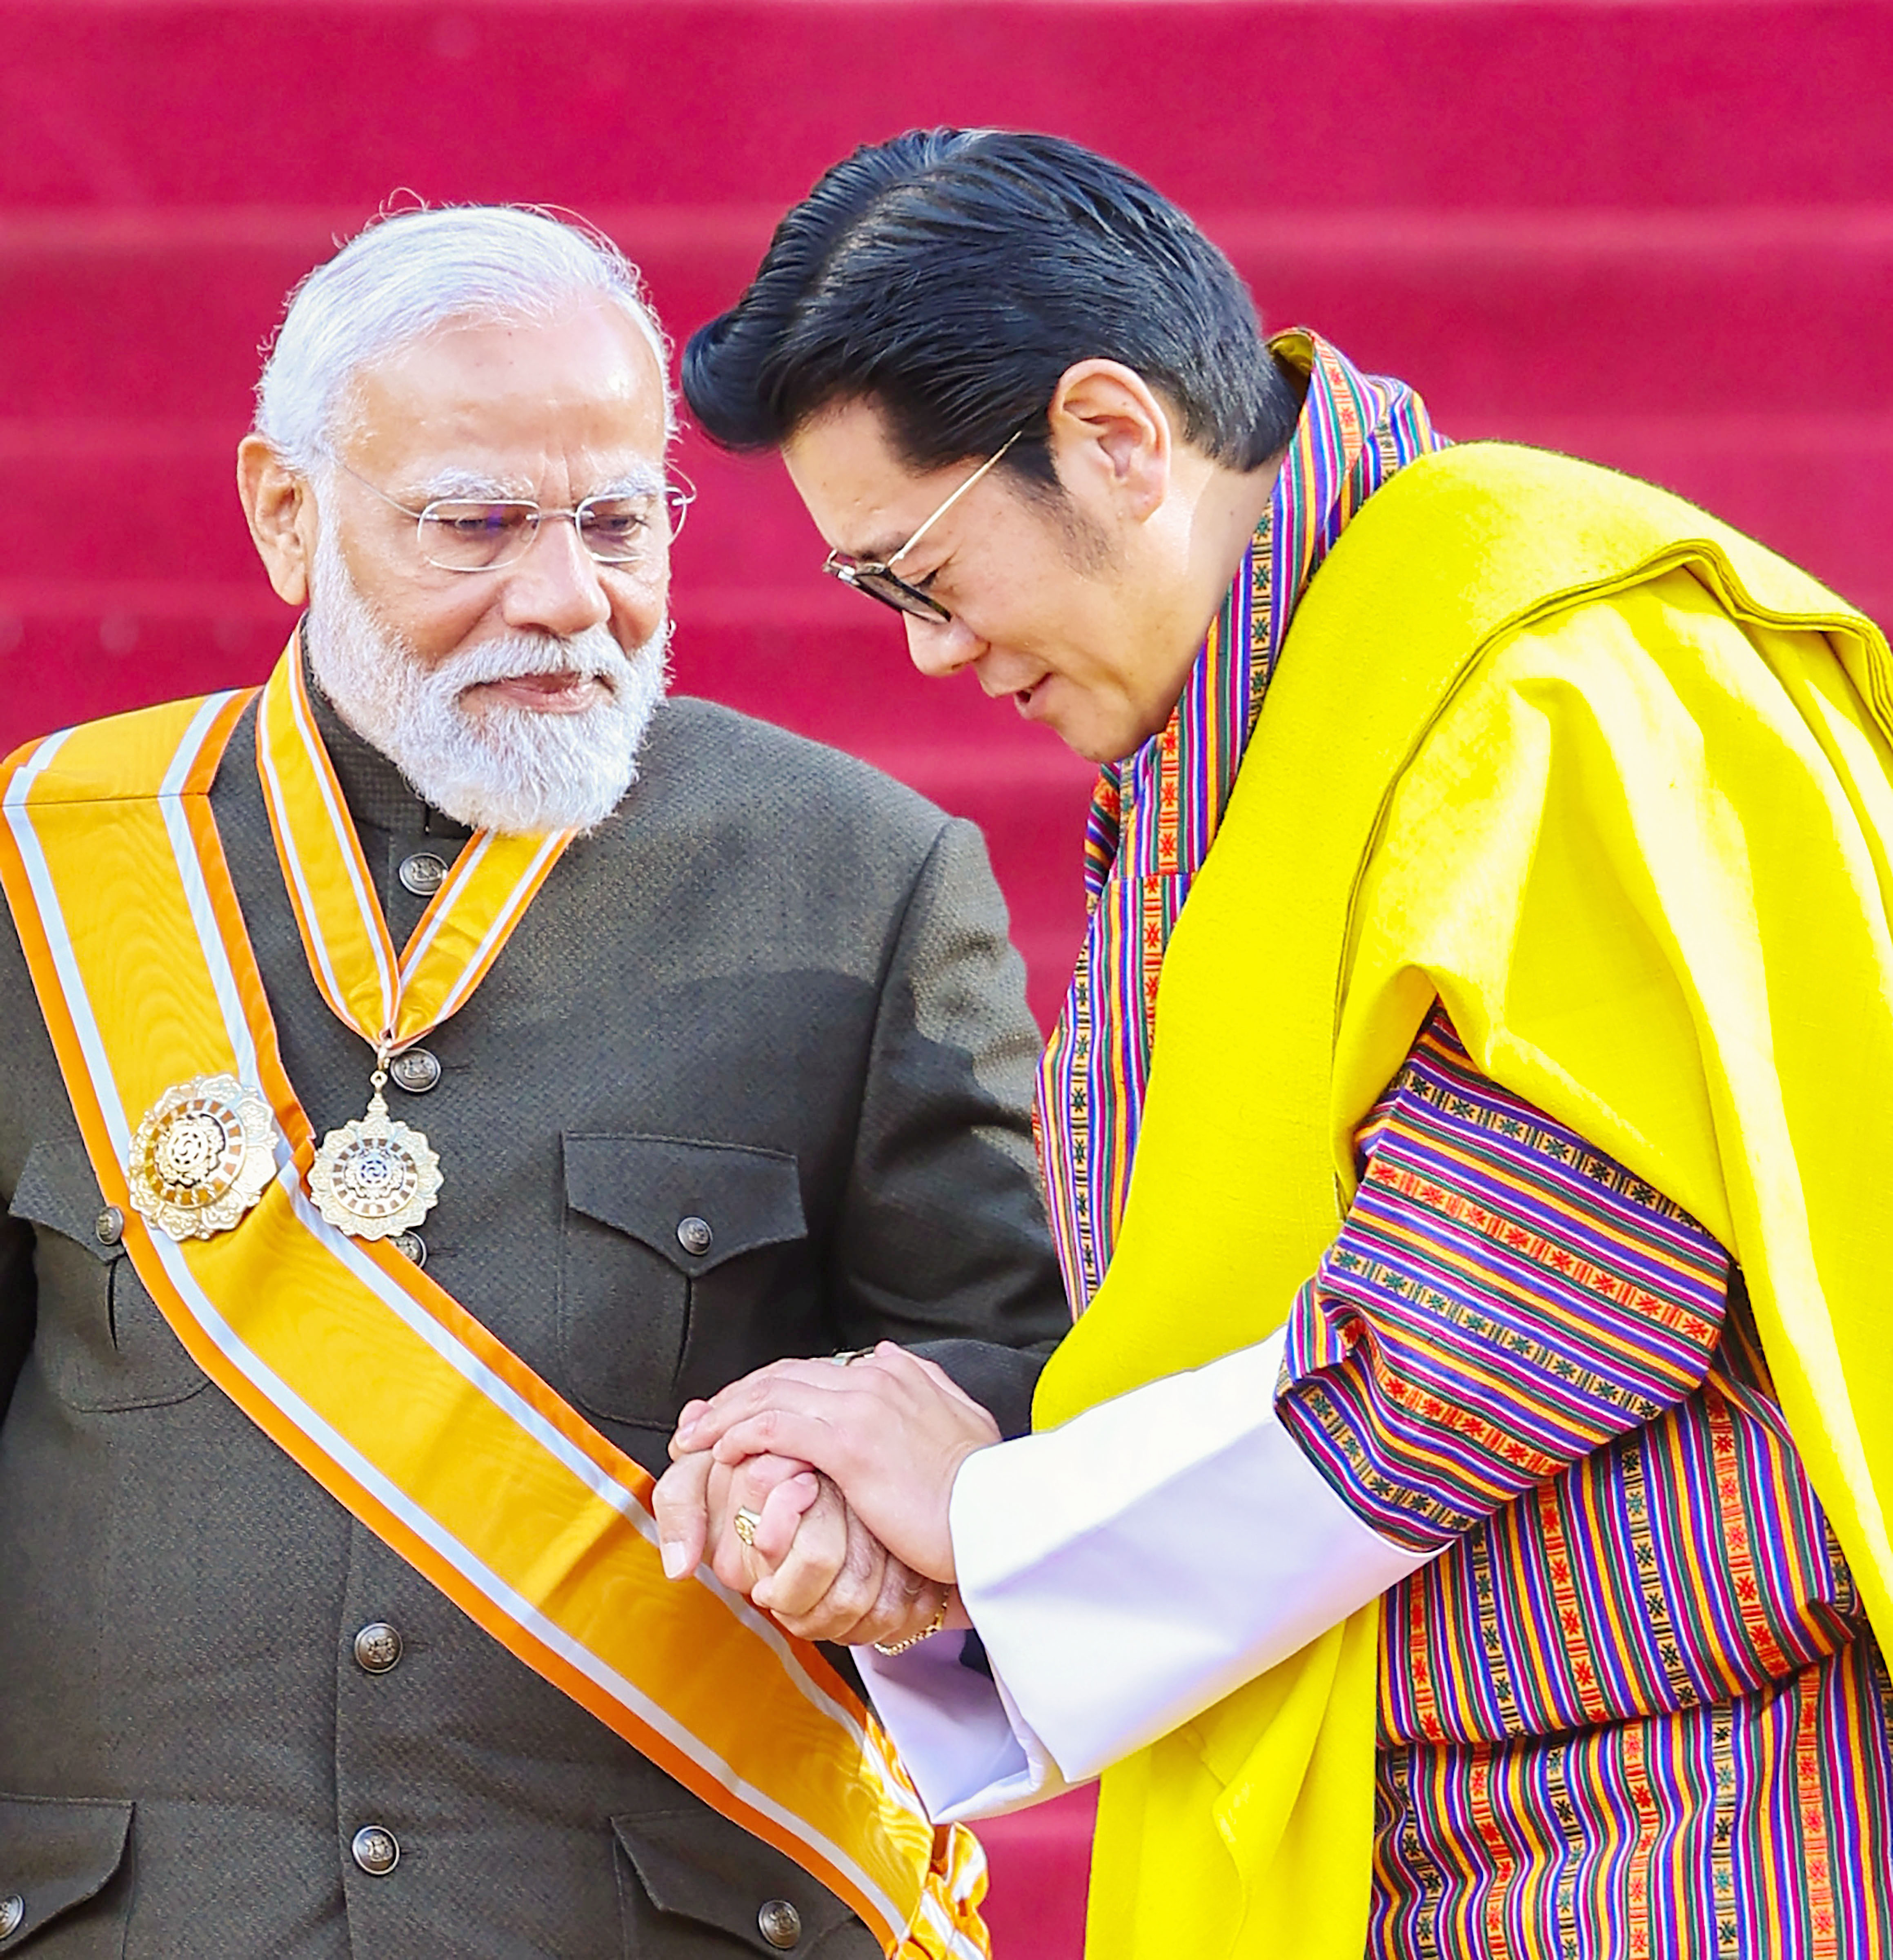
(940, 648)
(555, 587)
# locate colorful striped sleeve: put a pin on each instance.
(1501, 1300)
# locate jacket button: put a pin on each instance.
(377, 1647)
(416, 1069)
(694, 1236)
(108, 1228)
(424, 873)
(411, 1247)
(376, 1851)
(13, 1910)
(779, 1923)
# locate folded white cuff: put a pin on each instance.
(1127, 1571)
(970, 1754)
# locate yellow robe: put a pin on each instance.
(1616, 784)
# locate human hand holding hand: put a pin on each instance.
(810, 1560)
(890, 1430)
(697, 1499)
(837, 1581)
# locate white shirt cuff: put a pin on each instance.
(1133, 1568)
(969, 1753)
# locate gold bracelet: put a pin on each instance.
(891, 1648)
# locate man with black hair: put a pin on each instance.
(1457, 1521)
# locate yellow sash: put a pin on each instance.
(391, 1395)
(1640, 852)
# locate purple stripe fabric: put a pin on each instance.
(1634, 1708)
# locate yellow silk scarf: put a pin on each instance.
(381, 1386)
(1613, 782)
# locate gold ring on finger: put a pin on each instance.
(746, 1522)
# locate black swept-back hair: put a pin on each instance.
(952, 276)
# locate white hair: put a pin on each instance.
(407, 274)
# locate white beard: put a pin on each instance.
(505, 768)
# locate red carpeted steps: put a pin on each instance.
(1657, 233)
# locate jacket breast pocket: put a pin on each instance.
(63, 1863)
(693, 1887)
(101, 1342)
(672, 1249)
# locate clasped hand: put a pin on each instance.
(849, 1471)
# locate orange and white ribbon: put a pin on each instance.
(380, 1385)
(390, 1001)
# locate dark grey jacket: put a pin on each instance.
(775, 992)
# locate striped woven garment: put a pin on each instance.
(1635, 1708)
(1155, 815)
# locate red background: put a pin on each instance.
(1659, 234)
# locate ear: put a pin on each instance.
(1111, 438)
(281, 512)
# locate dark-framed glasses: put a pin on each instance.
(485, 533)
(877, 577)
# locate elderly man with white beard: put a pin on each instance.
(426, 1073)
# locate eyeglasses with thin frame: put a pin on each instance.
(485, 533)
(877, 577)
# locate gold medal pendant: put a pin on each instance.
(375, 1178)
(202, 1156)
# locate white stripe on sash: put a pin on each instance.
(273, 788)
(197, 897)
(366, 903)
(60, 941)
